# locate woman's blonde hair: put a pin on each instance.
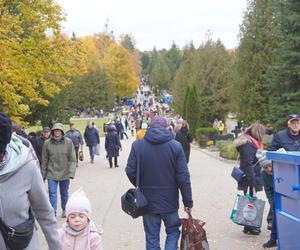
(185, 124)
(257, 131)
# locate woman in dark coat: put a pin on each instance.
(112, 145)
(185, 138)
(247, 145)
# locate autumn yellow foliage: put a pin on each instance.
(36, 59)
(120, 67)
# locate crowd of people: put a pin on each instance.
(52, 156)
(161, 149)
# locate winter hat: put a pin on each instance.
(59, 126)
(159, 121)
(261, 157)
(5, 131)
(78, 203)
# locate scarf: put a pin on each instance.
(258, 144)
(83, 234)
(73, 232)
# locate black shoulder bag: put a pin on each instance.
(19, 236)
(133, 202)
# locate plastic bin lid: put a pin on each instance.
(290, 156)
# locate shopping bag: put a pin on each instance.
(97, 151)
(193, 236)
(248, 211)
(80, 155)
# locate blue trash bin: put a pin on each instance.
(286, 179)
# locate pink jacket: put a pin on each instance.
(89, 239)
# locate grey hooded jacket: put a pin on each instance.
(22, 187)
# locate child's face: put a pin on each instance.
(268, 169)
(77, 221)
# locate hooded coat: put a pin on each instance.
(22, 187)
(248, 164)
(59, 159)
(163, 171)
(112, 142)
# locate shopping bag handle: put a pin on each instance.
(189, 215)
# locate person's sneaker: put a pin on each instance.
(270, 243)
(116, 166)
(63, 214)
(92, 161)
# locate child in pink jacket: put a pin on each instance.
(79, 232)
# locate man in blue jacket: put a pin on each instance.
(163, 172)
(92, 139)
(289, 138)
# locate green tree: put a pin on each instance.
(145, 60)
(160, 75)
(251, 87)
(192, 109)
(284, 73)
(173, 58)
(212, 64)
(128, 42)
(93, 90)
(184, 76)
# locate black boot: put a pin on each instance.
(252, 231)
(270, 243)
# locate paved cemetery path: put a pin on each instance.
(213, 193)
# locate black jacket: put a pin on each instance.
(185, 138)
(39, 148)
(248, 164)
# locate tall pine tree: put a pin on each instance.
(258, 38)
(192, 109)
(286, 73)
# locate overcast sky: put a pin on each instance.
(157, 22)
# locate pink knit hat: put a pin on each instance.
(78, 203)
